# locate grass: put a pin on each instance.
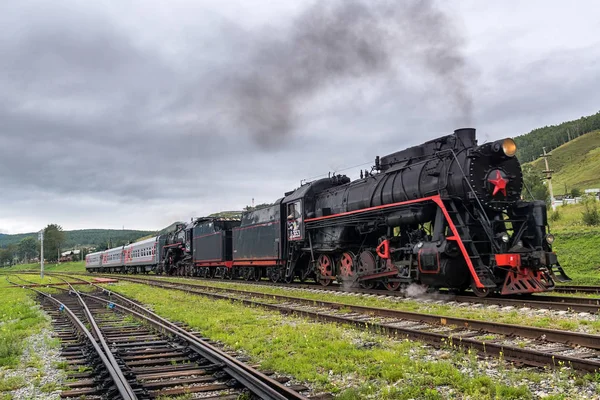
(27, 279)
(19, 318)
(567, 322)
(11, 383)
(187, 396)
(576, 164)
(74, 266)
(570, 220)
(579, 254)
(336, 358)
(577, 245)
(50, 387)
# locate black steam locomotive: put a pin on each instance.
(445, 214)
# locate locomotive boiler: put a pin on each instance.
(447, 213)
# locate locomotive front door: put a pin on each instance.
(295, 225)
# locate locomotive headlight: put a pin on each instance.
(550, 238)
(503, 236)
(509, 147)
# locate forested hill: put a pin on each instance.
(84, 237)
(530, 145)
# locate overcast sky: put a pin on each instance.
(135, 114)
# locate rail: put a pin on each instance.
(258, 383)
(540, 356)
(125, 390)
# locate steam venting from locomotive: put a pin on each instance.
(339, 42)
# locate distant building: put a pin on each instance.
(69, 255)
(568, 199)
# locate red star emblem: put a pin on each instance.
(499, 184)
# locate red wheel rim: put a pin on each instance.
(346, 265)
(391, 286)
(325, 266)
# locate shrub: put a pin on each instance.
(555, 215)
(591, 216)
(575, 192)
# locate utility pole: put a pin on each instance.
(41, 237)
(548, 173)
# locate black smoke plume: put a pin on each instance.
(339, 41)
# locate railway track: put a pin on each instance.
(519, 344)
(575, 304)
(577, 289)
(129, 352)
(538, 301)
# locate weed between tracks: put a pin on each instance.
(345, 360)
(20, 319)
(579, 294)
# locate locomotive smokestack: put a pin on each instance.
(466, 136)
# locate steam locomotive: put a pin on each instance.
(445, 214)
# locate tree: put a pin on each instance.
(575, 192)
(54, 237)
(256, 207)
(12, 253)
(591, 215)
(27, 248)
(5, 257)
(534, 181)
(102, 246)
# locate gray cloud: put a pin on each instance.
(112, 114)
(339, 41)
(100, 113)
(542, 91)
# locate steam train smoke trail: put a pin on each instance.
(337, 41)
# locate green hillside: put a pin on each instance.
(84, 237)
(576, 164)
(530, 144)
